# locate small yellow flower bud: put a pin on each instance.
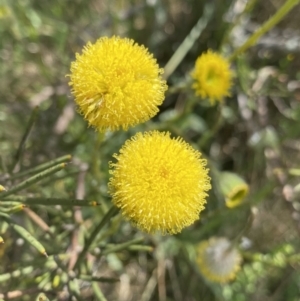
(233, 188)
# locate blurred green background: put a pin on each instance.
(255, 134)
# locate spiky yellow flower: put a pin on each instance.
(213, 77)
(159, 183)
(116, 83)
(218, 260)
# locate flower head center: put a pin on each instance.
(164, 173)
(212, 76)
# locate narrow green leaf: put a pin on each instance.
(34, 179)
(30, 124)
(13, 209)
(41, 167)
(123, 246)
(52, 201)
(269, 24)
(25, 234)
(189, 41)
(98, 292)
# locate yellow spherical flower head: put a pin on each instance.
(159, 183)
(116, 83)
(218, 260)
(213, 77)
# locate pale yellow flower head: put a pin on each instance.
(159, 183)
(212, 76)
(218, 260)
(116, 83)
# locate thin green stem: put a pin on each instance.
(188, 42)
(95, 156)
(98, 293)
(32, 180)
(52, 201)
(248, 8)
(278, 16)
(41, 167)
(25, 136)
(122, 246)
(216, 126)
(110, 213)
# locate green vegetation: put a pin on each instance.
(60, 236)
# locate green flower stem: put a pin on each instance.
(123, 246)
(188, 42)
(25, 234)
(247, 226)
(97, 279)
(34, 179)
(98, 292)
(108, 232)
(284, 9)
(216, 126)
(248, 8)
(132, 247)
(52, 201)
(96, 167)
(182, 86)
(110, 213)
(41, 167)
(30, 124)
